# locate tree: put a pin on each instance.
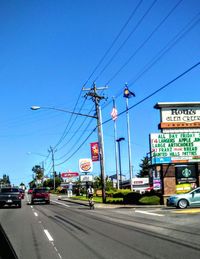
(50, 182)
(39, 172)
(145, 166)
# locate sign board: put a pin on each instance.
(175, 147)
(180, 116)
(140, 181)
(85, 165)
(69, 174)
(94, 147)
(86, 178)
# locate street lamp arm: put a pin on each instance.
(62, 110)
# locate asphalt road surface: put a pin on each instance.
(67, 230)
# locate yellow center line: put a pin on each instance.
(187, 211)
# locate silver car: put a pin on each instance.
(181, 201)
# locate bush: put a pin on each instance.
(150, 200)
(132, 198)
(121, 193)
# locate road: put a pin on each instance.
(67, 230)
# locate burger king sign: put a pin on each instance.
(85, 165)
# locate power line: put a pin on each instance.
(193, 22)
(78, 147)
(144, 42)
(124, 42)
(155, 92)
(113, 43)
(131, 107)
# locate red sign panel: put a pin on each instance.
(94, 151)
(69, 175)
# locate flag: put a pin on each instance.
(94, 147)
(114, 113)
(128, 93)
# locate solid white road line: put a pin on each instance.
(149, 213)
(48, 235)
(60, 203)
(36, 214)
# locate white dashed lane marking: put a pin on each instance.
(48, 235)
(149, 213)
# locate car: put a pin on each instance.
(30, 191)
(40, 195)
(10, 196)
(21, 193)
(184, 200)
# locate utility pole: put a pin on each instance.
(96, 99)
(53, 166)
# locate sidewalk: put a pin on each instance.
(107, 206)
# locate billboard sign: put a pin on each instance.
(175, 147)
(85, 165)
(94, 147)
(180, 117)
(86, 178)
(69, 174)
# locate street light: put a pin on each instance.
(120, 167)
(100, 134)
(61, 110)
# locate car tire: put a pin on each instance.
(182, 204)
(47, 202)
(19, 204)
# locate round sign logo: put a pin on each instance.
(186, 172)
(85, 165)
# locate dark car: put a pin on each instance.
(10, 196)
(40, 195)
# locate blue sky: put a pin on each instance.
(48, 51)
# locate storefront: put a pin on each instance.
(175, 151)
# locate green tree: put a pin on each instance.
(50, 182)
(39, 172)
(145, 166)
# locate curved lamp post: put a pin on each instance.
(100, 137)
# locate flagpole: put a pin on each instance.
(116, 149)
(129, 143)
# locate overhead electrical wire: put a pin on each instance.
(127, 38)
(65, 133)
(180, 35)
(144, 42)
(131, 107)
(113, 42)
(155, 92)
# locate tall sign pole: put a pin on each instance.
(96, 99)
(128, 94)
(114, 117)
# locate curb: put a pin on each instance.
(109, 206)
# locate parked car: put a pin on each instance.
(10, 196)
(184, 200)
(40, 195)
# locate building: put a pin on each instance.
(175, 151)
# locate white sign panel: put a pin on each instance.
(86, 178)
(175, 147)
(85, 165)
(180, 117)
